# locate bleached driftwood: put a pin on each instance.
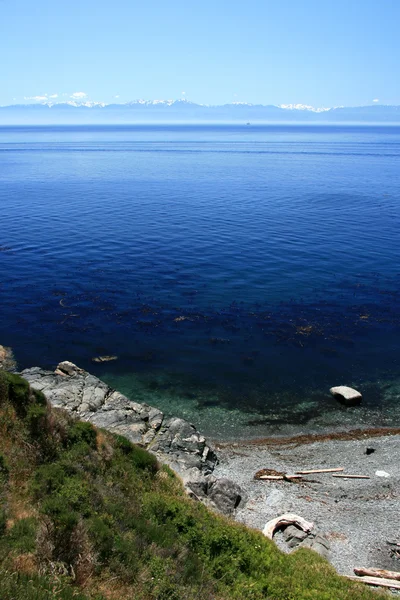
(284, 520)
(280, 477)
(352, 476)
(382, 573)
(388, 583)
(312, 471)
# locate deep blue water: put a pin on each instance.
(237, 272)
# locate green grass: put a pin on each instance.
(87, 515)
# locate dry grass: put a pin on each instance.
(25, 563)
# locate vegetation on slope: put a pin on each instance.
(86, 515)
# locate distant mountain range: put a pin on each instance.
(184, 111)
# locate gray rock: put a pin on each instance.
(294, 536)
(318, 543)
(222, 495)
(226, 495)
(346, 395)
(175, 442)
(155, 418)
(196, 483)
(177, 437)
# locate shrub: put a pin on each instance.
(22, 535)
(40, 398)
(48, 479)
(102, 535)
(55, 539)
(4, 470)
(81, 432)
(18, 393)
(36, 420)
(3, 387)
(3, 521)
(139, 457)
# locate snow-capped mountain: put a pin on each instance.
(159, 102)
(84, 111)
(303, 107)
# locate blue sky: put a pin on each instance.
(317, 52)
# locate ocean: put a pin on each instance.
(236, 272)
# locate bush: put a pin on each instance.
(36, 420)
(40, 398)
(18, 393)
(81, 432)
(22, 535)
(4, 470)
(49, 479)
(139, 457)
(102, 534)
(3, 521)
(3, 387)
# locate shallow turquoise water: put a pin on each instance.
(236, 272)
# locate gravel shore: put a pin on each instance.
(358, 516)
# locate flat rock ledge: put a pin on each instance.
(174, 441)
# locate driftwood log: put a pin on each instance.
(312, 471)
(388, 583)
(352, 476)
(383, 573)
(285, 520)
(279, 477)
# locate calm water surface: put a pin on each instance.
(236, 272)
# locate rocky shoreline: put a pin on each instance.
(358, 517)
(174, 441)
(353, 518)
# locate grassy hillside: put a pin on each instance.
(86, 515)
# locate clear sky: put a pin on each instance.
(317, 52)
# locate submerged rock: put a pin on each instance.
(174, 441)
(346, 395)
(101, 359)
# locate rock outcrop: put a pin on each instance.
(174, 441)
(7, 361)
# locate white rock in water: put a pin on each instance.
(67, 368)
(382, 474)
(346, 395)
